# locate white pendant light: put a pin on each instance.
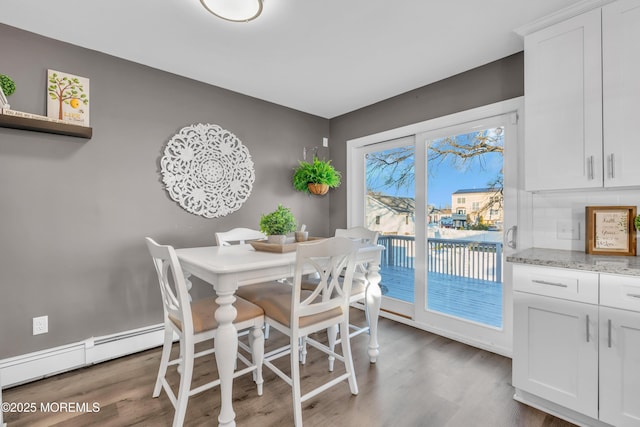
(234, 10)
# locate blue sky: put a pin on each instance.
(445, 177)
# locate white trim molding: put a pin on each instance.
(45, 363)
(560, 15)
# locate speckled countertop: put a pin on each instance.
(629, 265)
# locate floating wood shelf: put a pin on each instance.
(36, 125)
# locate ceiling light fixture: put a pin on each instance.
(234, 10)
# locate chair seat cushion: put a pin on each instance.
(202, 312)
(275, 299)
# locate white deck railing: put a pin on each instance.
(463, 258)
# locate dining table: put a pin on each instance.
(228, 267)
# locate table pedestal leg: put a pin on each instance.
(374, 295)
(226, 345)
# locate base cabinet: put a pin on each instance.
(555, 354)
(619, 367)
(577, 344)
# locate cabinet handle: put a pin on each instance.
(587, 328)
(612, 166)
(633, 295)
(590, 172)
(609, 329)
(544, 282)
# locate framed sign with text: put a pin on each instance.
(610, 230)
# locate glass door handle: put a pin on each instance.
(511, 237)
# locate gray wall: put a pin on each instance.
(74, 212)
(493, 82)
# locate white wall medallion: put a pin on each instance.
(207, 170)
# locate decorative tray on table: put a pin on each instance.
(263, 245)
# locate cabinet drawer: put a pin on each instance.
(567, 284)
(620, 292)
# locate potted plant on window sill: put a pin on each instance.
(277, 224)
(315, 177)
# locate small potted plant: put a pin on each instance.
(7, 87)
(277, 224)
(315, 177)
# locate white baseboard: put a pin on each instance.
(34, 366)
(557, 410)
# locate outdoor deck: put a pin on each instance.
(472, 299)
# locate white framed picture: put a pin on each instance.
(68, 97)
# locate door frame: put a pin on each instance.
(355, 209)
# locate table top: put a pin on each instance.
(238, 258)
(230, 259)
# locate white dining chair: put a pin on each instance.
(298, 313)
(238, 235)
(359, 287)
(194, 322)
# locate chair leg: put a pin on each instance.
(366, 309)
(187, 351)
(256, 342)
(164, 360)
(332, 335)
(346, 353)
(295, 382)
(267, 329)
(302, 349)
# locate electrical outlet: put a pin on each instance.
(325, 142)
(40, 325)
(567, 230)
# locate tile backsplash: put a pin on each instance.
(559, 217)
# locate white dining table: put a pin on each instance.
(228, 267)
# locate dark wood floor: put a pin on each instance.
(420, 379)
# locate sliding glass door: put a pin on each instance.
(442, 200)
(389, 208)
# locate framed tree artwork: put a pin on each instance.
(610, 230)
(68, 97)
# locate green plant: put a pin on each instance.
(316, 172)
(636, 222)
(280, 221)
(7, 84)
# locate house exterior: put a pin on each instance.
(390, 214)
(477, 206)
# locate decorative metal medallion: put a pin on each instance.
(207, 170)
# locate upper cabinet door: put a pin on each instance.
(563, 105)
(621, 92)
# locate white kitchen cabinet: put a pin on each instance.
(552, 357)
(582, 91)
(555, 343)
(620, 351)
(577, 344)
(563, 105)
(621, 92)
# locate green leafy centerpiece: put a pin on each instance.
(315, 177)
(277, 224)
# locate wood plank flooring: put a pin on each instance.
(420, 379)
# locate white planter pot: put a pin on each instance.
(279, 239)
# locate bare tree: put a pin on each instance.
(395, 167)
